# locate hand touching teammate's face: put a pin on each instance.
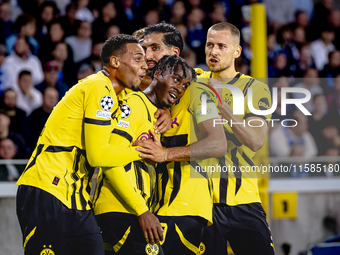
(132, 67)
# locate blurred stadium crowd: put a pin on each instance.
(47, 46)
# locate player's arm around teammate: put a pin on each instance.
(113, 205)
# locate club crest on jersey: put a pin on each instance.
(47, 250)
(151, 249)
(106, 103)
(264, 104)
(126, 111)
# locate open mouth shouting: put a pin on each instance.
(173, 96)
(151, 64)
(213, 61)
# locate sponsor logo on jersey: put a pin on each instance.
(123, 124)
(103, 114)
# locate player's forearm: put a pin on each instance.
(102, 154)
(251, 137)
(120, 182)
(205, 148)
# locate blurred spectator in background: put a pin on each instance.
(111, 31)
(107, 17)
(272, 48)
(6, 25)
(23, 150)
(310, 82)
(19, 120)
(279, 12)
(51, 69)
(281, 82)
(184, 32)
(302, 20)
(280, 66)
(287, 138)
(241, 65)
(333, 102)
(130, 17)
(151, 17)
(68, 22)
(189, 56)
(28, 98)
(61, 55)
(47, 12)
(39, 116)
(84, 71)
(95, 59)
(304, 62)
(25, 26)
(330, 138)
(218, 14)
(22, 59)
(322, 47)
(82, 42)
(317, 120)
(284, 36)
(305, 6)
(178, 12)
(322, 9)
(196, 34)
(55, 35)
(3, 78)
(83, 13)
(330, 71)
(334, 21)
(9, 172)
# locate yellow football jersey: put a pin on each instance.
(76, 134)
(239, 187)
(181, 190)
(135, 120)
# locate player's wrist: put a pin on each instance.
(165, 155)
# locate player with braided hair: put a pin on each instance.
(122, 227)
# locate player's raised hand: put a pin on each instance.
(151, 148)
(163, 122)
(152, 229)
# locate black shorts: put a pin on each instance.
(49, 227)
(183, 234)
(122, 234)
(244, 226)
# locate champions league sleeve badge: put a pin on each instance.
(106, 103)
(126, 111)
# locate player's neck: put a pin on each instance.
(111, 74)
(151, 94)
(225, 74)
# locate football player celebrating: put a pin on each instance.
(183, 201)
(238, 215)
(53, 201)
(118, 216)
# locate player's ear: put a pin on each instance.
(175, 50)
(157, 74)
(237, 51)
(114, 61)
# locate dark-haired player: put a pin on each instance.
(53, 204)
(238, 215)
(118, 218)
(183, 201)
